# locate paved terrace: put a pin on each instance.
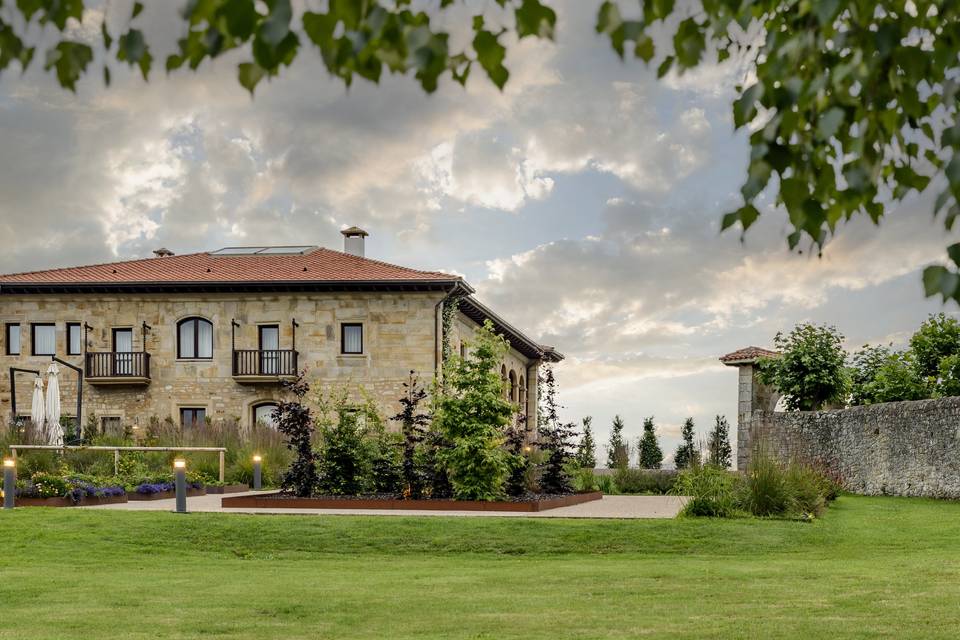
(626, 507)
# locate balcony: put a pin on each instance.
(252, 366)
(118, 368)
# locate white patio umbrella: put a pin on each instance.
(37, 413)
(54, 430)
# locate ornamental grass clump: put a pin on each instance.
(765, 489)
(709, 489)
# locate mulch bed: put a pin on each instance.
(227, 488)
(67, 502)
(163, 495)
(529, 503)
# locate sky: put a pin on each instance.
(582, 202)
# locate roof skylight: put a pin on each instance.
(260, 251)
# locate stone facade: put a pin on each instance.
(400, 334)
(894, 448)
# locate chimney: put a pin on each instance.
(353, 241)
(163, 252)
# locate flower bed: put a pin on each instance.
(164, 490)
(85, 501)
(279, 500)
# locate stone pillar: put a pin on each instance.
(752, 396)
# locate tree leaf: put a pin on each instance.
(70, 59)
(830, 122)
(249, 74)
(535, 19)
(490, 55)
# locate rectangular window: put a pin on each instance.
(43, 339)
(192, 417)
(13, 339)
(351, 338)
(74, 339)
(110, 426)
(269, 349)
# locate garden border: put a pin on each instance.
(164, 495)
(227, 488)
(60, 501)
(274, 501)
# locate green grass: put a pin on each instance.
(872, 567)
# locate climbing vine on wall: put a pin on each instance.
(450, 307)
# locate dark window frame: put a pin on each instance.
(33, 338)
(79, 327)
(260, 328)
(6, 338)
(196, 320)
(194, 411)
(265, 403)
(343, 338)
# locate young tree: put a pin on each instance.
(547, 413)
(413, 427)
(618, 451)
(687, 453)
(346, 456)
(586, 450)
(719, 452)
(898, 379)
(810, 370)
(294, 421)
(651, 456)
(472, 415)
(518, 460)
(937, 338)
(556, 441)
(865, 364)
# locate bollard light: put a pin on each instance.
(257, 473)
(9, 482)
(180, 482)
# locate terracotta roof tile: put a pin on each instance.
(747, 354)
(318, 265)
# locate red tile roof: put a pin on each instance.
(317, 265)
(747, 354)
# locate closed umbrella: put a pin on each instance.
(37, 413)
(54, 430)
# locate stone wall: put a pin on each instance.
(399, 335)
(895, 448)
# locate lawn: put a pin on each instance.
(872, 567)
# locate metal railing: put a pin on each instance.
(260, 362)
(118, 364)
(116, 451)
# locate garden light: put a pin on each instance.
(180, 481)
(257, 473)
(9, 482)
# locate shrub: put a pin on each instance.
(645, 481)
(471, 415)
(864, 366)
(618, 451)
(584, 480)
(518, 459)
(687, 454)
(295, 422)
(413, 427)
(345, 455)
(607, 484)
(765, 490)
(386, 467)
(897, 379)
(709, 489)
(719, 452)
(810, 370)
(46, 485)
(586, 449)
(650, 453)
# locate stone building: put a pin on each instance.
(209, 336)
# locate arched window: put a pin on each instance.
(513, 385)
(263, 415)
(503, 381)
(523, 395)
(195, 338)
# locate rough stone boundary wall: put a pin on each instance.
(894, 448)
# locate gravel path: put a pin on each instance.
(608, 507)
